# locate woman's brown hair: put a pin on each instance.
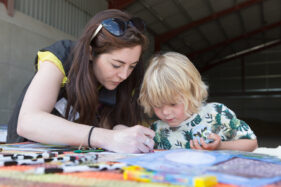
(82, 86)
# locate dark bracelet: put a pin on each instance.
(89, 136)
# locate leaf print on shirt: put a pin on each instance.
(218, 118)
(179, 144)
(228, 114)
(154, 126)
(156, 140)
(218, 108)
(231, 128)
(196, 120)
(209, 118)
(234, 123)
(247, 136)
(163, 139)
(187, 145)
(230, 134)
(187, 135)
(216, 127)
(243, 126)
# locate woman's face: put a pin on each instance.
(114, 67)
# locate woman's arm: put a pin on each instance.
(38, 124)
(35, 121)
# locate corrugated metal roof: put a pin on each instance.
(202, 28)
(69, 16)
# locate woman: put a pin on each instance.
(93, 84)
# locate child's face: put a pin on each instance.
(173, 114)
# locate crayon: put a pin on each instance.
(24, 156)
(72, 159)
(137, 173)
(77, 168)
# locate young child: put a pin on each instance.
(172, 89)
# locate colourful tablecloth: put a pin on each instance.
(23, 175)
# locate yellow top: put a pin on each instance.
(49, 56)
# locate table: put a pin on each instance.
(21, 176)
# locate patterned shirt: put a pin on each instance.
(213, 117)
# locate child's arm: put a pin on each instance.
(239, 145)
(217, 144)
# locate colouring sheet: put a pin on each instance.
(230, 167)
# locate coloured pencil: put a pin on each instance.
(78, 168)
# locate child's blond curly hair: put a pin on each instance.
(171, 78)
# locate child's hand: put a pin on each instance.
(194, 144)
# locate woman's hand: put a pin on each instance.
(136, 139)
(194, 144)
(119, 127)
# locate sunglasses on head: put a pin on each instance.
(117, 27)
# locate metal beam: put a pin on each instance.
(182, 10)
(79, 8)
(241, 54)
(246, 93)
(242, 23)
(280, 18)
(219, 24)
(229, 41)
(172, 33)
(119, 4)
(149, 30)
(243, 74)
(156, 16)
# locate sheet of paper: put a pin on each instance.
(231, 167)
